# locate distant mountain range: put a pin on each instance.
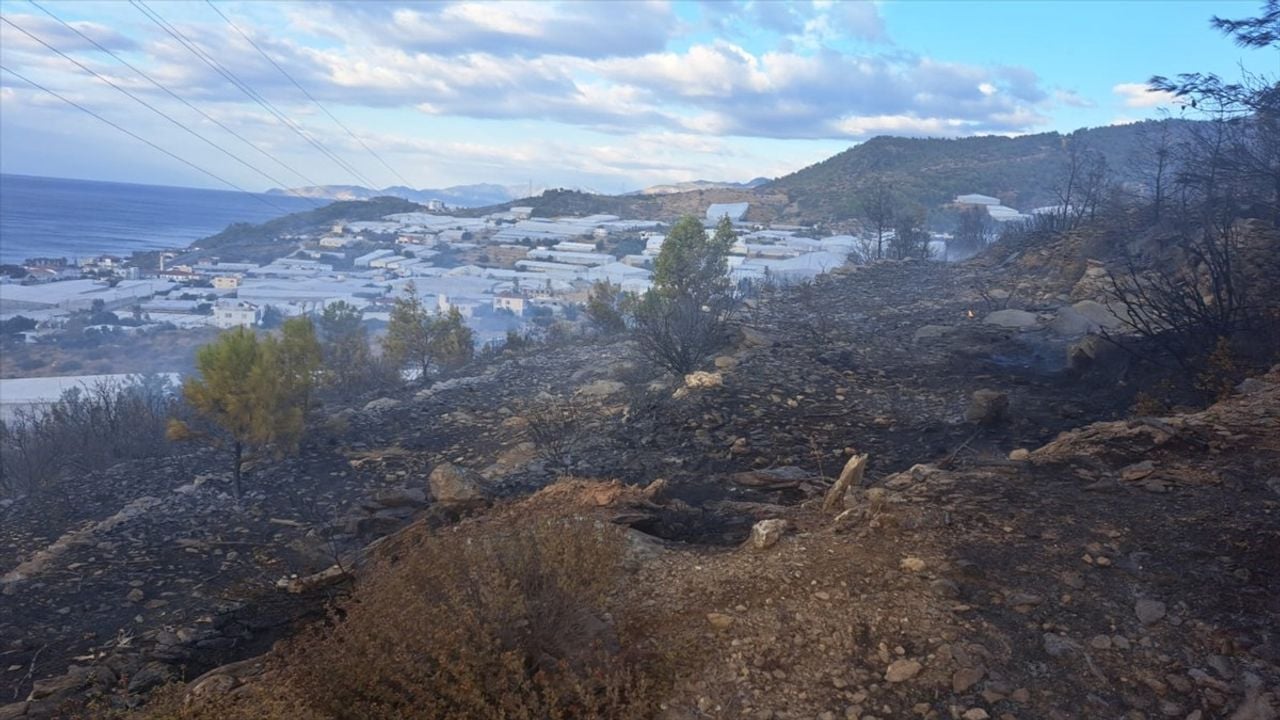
(478, 195)
(700, 185)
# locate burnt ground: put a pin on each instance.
(1127, 569)
(185, 580)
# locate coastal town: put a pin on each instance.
(506, 273)
(499, 270)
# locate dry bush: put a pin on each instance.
(516, 625)
(557, 427)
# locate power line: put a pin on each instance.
(139, 138)
(231, 77)
(180, 99)
(145, 104)
(310, 97)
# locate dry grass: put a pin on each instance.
(512, 624)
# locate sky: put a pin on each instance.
(605, 96)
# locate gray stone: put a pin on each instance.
(1097, 313)
(381, 404)
(1149, 611)
(400, 497)
(931, 332)
(902, 670)
(1012, 319)
(1058, 646)
(454, 485)
(1070, 323)
(766, 533)
(602, 389)
(987, 407)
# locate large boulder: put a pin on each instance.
(453, 485)
(1071, 323)
(381, 405)
(987, 407)
(931, 332)
(1100, 314)
(766, 533)
(1095, 355)
(1012, 319)
(602, 389)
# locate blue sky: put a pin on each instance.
(609, 96)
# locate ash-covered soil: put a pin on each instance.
(1030, 569)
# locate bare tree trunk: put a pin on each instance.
(239, 462)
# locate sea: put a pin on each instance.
(57, 217)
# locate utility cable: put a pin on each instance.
(139, 138)
(145, 104)
(231, 77)
(180, 99)
(310, 97)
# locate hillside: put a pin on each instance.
(261, 242)
(1021, 171)
(928, 172)
(1125, 564)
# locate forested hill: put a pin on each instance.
(261, 242)
(1021, 171)
(925, 172)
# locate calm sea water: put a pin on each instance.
(53, 217)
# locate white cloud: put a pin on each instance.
(1142, 95)
(1072, 98)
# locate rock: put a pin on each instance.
(975, 714)
(766, 533)
(702, 380)
(1023, 599)
(400, 497)
(1149, 611)
(453, 485)
(912, 564)
(1137, 471)
(60, 686)
(1020, 455)
(753, 338)
(726, 362)
(1099, 314)
(381, 405)
(135, 595)
(787, 476)
(945, 588)
(1250, 386)
(602, 389)
(1012, 319)
(931, 332)
(965, 678)
(720, 621)
(987, 407)
(1094, 353)
(1070, 323)
(902, 670)
(151, 675)
(1058, 646)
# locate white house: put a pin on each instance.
(975, 199)
(509, 301)
(226, 282)
(228, 315)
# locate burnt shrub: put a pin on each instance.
(509, 625)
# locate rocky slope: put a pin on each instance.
(1126, 567)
